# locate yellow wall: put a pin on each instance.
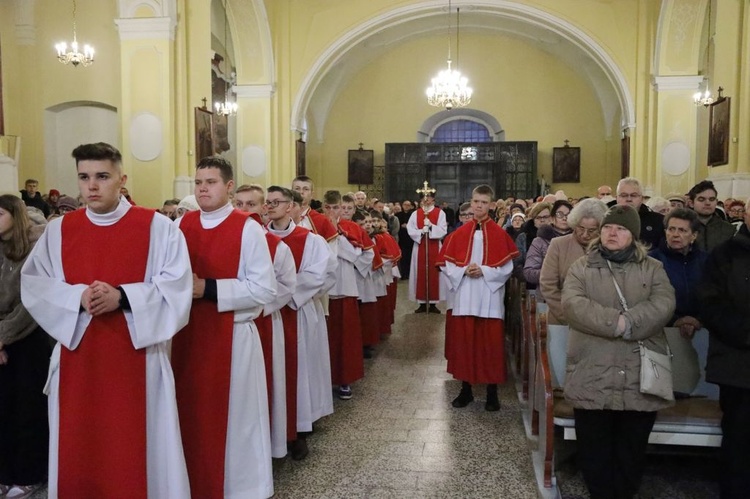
(34, 80)
(539, 99)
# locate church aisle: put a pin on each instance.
(399, 436)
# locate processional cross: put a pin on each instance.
(424, 192)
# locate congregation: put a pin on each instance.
(214, 334)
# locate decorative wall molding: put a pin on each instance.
(263, 91)
(666, 83)
(146, 28)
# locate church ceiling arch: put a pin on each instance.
(683, 41)
(355, 49)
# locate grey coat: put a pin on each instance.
(15, 321)
(603, 369)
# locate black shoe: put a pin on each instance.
(299, 449)
(421, 309)
(434, 309)
(465, 397)
(367, 352)
(493, 403)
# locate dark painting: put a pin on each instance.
(566, 164)
(718, 134)
(361, 166)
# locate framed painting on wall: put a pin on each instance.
(718, 132)
(361, 166)
(566, 164)
(301, 161)
(204, 134)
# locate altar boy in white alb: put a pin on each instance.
(218, 363)
(112, 284)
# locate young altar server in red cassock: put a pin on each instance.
(112, 284)
(368, 286)
(217, 358)
(344, 331)
(478, 262)
(312, 261)
(390, 253)
(428, 222)
(271, 326)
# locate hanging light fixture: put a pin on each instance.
(449, 89)
(228, 107)
(73, 56)
(704, 98)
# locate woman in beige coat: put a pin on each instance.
(584, 219)
(613, 418)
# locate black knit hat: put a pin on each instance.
(626, 216)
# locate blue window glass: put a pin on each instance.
(462, 131)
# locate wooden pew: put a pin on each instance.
(693, 421)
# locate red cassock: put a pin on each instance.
(344, 329)
(434, 249)
(476, 348)
(202, 355)
(368, 312)
(296, 242)
(102, 438)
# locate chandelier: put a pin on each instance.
(705, 99)
(73, 56)
(228, 107)
(449, 89)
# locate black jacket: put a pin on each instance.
(36, 202)
(652, 227)
(725, 312)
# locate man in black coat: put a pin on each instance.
(32, 197)
(724, 293)
(629, 192)
(404, 241)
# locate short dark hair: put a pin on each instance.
(31, 181)
(296, 197)
(225, 167)
(375, 214)
(171, 202)
(97, 151)
(484, 190)
(250, 188)
(287, 194)
(700, 187)
(346, 198)
(358, 215)
(561, 202)
(332, 197)
(464, 207)
(304, 178)
(684, 214)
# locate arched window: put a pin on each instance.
(461, 131)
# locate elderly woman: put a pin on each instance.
(584, 219)
(539, 216)
(683, 261)
(538, 250)
(613, 419)
(24, 359)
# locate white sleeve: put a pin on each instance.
(160, 306)
(364, 262)
(415, 233)
(347, 251)
(440, 229)
(496, 277)
(286, 278)
(313, 270)
(455, 275)
(255, 284)
(54, 304)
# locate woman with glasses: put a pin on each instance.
(584, 219)
(535, 256)
(539, 216)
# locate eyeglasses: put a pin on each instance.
(276, 203)
(625, 195)
(542, 218)
(588, 232)
(737, 210)
(466, 215)
(561, 216)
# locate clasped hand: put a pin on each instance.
(474, 271)
(100, 298)
(688, 326)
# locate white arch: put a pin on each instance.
(608, 79)
(431, 124)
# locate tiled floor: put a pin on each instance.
(399, 436)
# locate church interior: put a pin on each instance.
(309, 84)
(314, 79)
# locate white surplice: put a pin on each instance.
(247, 468)
(437, 231)
(160, 307)
(346, 279)
(314, 395)
(286, 283)
(482, 296)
